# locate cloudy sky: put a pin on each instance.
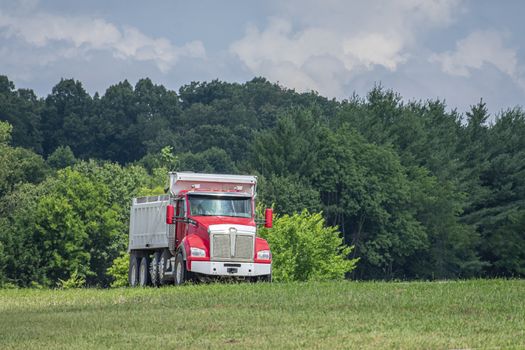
(456, 50)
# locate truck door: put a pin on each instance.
(181, 226)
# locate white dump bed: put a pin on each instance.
(147, 226)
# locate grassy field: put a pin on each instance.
(342, 315)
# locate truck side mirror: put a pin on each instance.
(170, 212)
(268, 218)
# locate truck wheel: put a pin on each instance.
(164, 265)
(143, 272)
(180, 270)
(266, 278)
(154, 269)
(133, 272)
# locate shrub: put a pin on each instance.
(303, 248)
(76, 280)
(119, 270)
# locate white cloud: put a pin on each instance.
(78, 36)
(477, 49)
(371, 49)
(348, 37)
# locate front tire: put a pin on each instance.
(180, 270)
(266, 278)
(144, 272)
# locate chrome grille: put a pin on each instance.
(244, 247)
(221, 248)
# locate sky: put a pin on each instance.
(458, 51)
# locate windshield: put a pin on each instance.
(220, 206)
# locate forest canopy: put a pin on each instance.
(419, 190)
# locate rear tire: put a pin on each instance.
(180, 272)
(143, 272)
(133, 272)
(154, 269)
(164, 265)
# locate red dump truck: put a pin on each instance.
(203, 228)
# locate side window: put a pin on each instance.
(181, 208)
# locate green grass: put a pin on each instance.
(333, 315)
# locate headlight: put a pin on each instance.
(197, 252)
(264, 255)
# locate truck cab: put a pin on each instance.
(209, 231)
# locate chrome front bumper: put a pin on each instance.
(222, 268)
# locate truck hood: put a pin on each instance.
(206, 221)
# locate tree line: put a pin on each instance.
(420, 191)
